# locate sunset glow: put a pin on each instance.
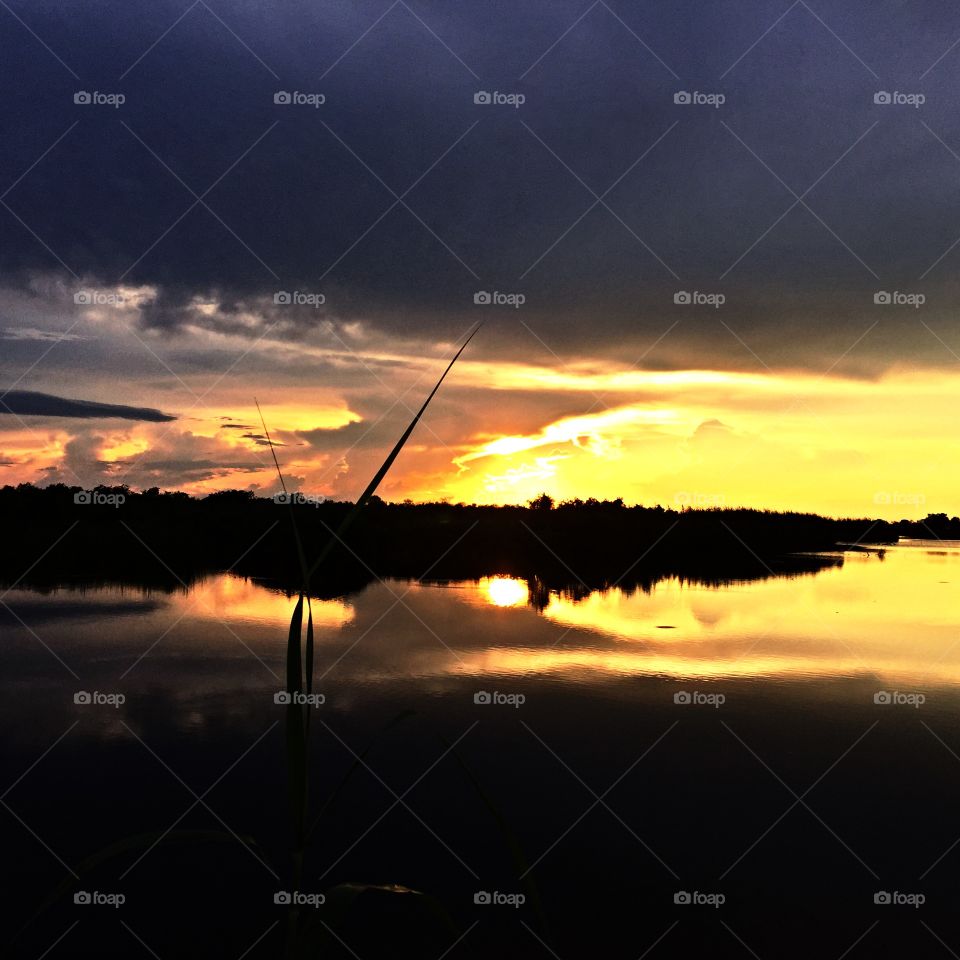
(683, 438)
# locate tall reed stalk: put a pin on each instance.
(299, 673)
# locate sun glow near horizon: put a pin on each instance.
(698, 437)
(831, 445)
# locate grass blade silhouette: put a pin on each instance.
(387, 464)
(300, 662)
(301, 556)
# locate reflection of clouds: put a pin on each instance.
(841, 622)
(214, 655)
(238, 599)
(847, 621)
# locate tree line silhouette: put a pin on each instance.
(166, 539)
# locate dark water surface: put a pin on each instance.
(789, 746)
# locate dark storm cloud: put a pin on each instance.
(26, 403)
(42, 336)
(261, 441)
(304, 199)
(351, 435)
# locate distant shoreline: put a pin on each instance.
(60, 534)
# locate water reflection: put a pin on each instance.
(235, 599)
(892, 617)
(199, 670)
(891, 613)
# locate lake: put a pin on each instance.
(766, 768)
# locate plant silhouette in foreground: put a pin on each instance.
(299, 660)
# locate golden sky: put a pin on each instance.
(504, 432)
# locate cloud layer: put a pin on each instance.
(26, 403)
(667, 216)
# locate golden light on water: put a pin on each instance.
(239, 599)
(842, 622)
(845, 622)
(505, 591)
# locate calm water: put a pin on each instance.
(790, 745)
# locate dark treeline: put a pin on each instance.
(61, 534)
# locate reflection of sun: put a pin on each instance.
(506, 591)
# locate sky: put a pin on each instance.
(713, 248)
